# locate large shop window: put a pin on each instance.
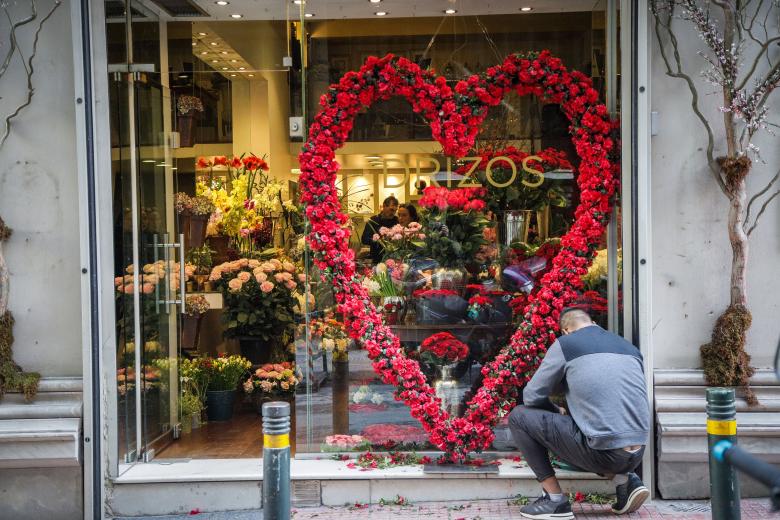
(220, 306)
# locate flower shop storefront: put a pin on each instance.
(377, 222)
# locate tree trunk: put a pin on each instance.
(739, 243)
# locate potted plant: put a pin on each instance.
(194, 381)
(195, 307)
(260, 301)
(272, 382)
(444, 351)
(187, 107)
(202, 258)
(453, 224)
(223, 374)
(194, 214)
(191, 408)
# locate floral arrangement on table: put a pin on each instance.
(187, 105)
(527, 191)
(273, 380)
(400, 242)
(443, 349)
(197, 205)
(260, 298)
(453, 224)
(244, 212)
(454, 114)
(196, 305)
(341, 442)
(224, 372)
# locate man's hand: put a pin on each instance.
(562, 410)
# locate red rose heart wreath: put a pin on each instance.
(455, 114)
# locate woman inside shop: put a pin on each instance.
(407, 214)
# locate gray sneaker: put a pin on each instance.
(543, 508)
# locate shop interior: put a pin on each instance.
(209, 110)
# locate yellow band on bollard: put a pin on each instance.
(721, 427)
(276, 441)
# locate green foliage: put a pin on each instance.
(453, 237)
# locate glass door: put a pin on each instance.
(149, 277)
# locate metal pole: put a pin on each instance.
(722, 425)
(276, 461)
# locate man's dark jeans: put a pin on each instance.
(536, 431)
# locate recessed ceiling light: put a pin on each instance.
(224, 68)
(526, 9)
(242, 68)
(251, 75)
(233, 61)
(308, 15)
(203, 34)
(381, 13)
(235, 15)
(214, 43)
(233, 75)
(450, 11)
(298, 2)
(204, 52)
(194, 44)
(224, 52)
(374, 1)
(214, 61)
(222, 2)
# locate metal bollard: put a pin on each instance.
(276, 461)
(722, 425)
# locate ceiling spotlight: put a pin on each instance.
(233, 61)
(308, 15)
(222, 2)
(374, 1)
(251, 75)
(381, 13)
(204, 52)
(299, 2)
(194, 44)
(214, 43)
(450, 11)
(203, 34)
(214, 61)
(224, 68)
(242, 68)
(236, 15)
(233, 75)
(526, 9)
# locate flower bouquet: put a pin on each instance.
(223, 374)
(400, 242)
(272, 382)
(332, 335)
(187, 107)
(443, 349)
(195, 306)
(260, 302)
(337, 443)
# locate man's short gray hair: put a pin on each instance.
(572, 317)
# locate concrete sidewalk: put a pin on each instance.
(752, 509)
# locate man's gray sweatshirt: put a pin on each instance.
(603, 378)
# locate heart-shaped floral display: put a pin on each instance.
(455, 115)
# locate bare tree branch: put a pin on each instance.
(678, 73)
(761, 212)
(764, 48)
(755, 197)
(29, 70)
(14, 26)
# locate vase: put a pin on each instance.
(190, 332)
(543, 223)
(340, 397)
(186, 127)
(446, 388)
(450, 279)
(258, 351)
(514, 226)
(219, 243)
(193, 227)
(219, 404)
(393, 307)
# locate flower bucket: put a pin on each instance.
(194, 229)
(186, 127)
(256, 350)
(219, 243)
(219, 404)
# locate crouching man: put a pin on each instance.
(609, 415)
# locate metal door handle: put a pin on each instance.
(182, 275)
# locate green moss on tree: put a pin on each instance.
(726, 363)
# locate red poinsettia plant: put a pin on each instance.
(454, 114)
(443, 349)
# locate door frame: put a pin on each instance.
(101, 462)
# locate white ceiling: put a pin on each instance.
(355, 9)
